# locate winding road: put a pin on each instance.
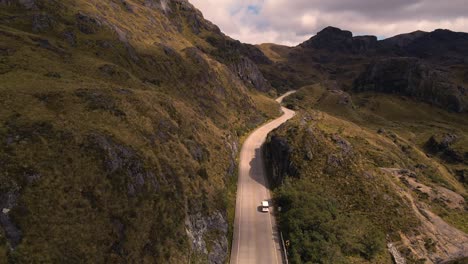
(256, 239)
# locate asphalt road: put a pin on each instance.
(256, 239)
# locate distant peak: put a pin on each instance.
(335, 31)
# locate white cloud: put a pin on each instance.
(291, 22)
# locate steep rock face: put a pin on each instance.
(337, 40)
(208, 235)
(277, 153)
(242, 59)
(412, 77)
(250, 74)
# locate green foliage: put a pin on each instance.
(342, 211)
(321, 232)
(339, 206)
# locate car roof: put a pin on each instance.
(265, 203)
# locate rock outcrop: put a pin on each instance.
(277, 153)
(8, 201)
(414, 78)
(443, 144)
(208, 236)
(249, 73)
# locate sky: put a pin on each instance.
(290, 22)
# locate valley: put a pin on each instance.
(136, 131)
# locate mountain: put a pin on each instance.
(121, 122)
(373, 167)
(337, 40)
(120, 125)
(434, 65)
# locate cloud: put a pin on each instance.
(291, 22)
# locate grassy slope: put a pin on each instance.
(355, 189)
(109, 144)
(338, 213)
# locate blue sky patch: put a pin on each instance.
(254, 9)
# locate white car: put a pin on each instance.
(265, 207)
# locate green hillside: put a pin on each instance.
(118, 134)
(357, 172)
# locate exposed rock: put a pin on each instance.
(446, 243)
(344, 145)
(438, 143)
(277, 153)
(412, 77)
(41, 22)
(12, 232)
(234, 149)
(397, 257)
(87, 24)
(250, 74)
(381, 131)
(334, 161)
(119, 160)
(212, 230)
(241, 58)
(198, 151)
(443, 144)
(69, 37)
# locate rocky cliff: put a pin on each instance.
(413, 78)
(277, 153)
